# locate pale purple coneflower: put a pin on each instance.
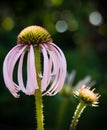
(87, 80)
(69, 86)
(54, 63)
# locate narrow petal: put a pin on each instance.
(70, 77)
(87, 81)
(32, 84)
(8, 67)
(62, 65)
(20, 77)
(54, 77)
(47, 65)
(57, 74)
(59, 69)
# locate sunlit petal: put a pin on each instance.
(31, 73)
(8, 67)
(46, 70)
(20, 77)
(59, 67)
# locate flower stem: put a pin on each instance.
(38, 94)
(81, 106)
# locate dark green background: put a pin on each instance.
(84, 46)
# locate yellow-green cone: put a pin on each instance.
(34, 35)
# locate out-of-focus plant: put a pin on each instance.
(86, 97)
(67, 92)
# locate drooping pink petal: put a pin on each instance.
(61, 65)
(59, 69)
(62, 62)
(20, 77)
(8, 67)
(55, 72)
(47, 65)
(32, 84)
(53, 75)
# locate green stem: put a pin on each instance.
(81, 106)
(38, 94)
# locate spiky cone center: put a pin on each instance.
(34, 35)
(88, 96)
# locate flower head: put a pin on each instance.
(87, 95)
(54, 63)
(34, 35)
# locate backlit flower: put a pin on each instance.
(87, 95)
(53, 63)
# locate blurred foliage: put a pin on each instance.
(84, 43)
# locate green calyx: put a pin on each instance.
(34, 35)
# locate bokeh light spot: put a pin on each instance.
(7, 24)
(95, 18)
(61, 26)
(57, 2)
